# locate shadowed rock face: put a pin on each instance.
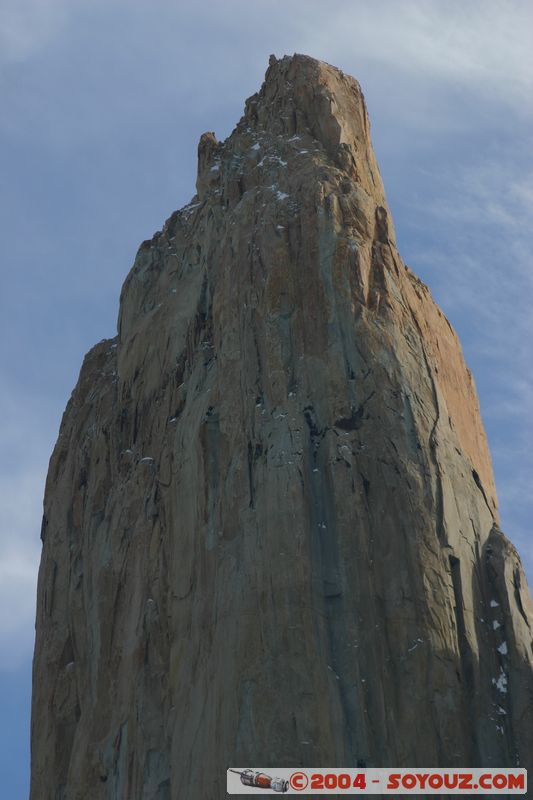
(271, 532)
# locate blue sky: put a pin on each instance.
(103, 104)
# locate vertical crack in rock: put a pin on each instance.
(465, 650)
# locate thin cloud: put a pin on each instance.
(481, 46)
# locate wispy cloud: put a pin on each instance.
(479, 46)
(414, 55)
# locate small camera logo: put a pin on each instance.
(260, 780)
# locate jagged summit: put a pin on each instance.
(270, 528)
(301, 95)
(304, 108)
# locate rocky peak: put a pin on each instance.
(303, 96)
(271, 530)
(306, 112)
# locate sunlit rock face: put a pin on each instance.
(270, 529)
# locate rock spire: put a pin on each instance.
(270, 530)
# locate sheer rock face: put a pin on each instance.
(271, 532)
